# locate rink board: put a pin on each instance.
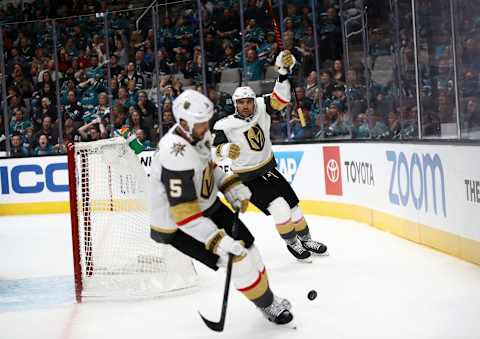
(426, 193)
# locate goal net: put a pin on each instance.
(114, 256)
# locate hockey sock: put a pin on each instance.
(251, 282)
(280, 211)
(300, 224)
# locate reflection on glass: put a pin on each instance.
(436, 70)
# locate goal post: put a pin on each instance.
(113, 254)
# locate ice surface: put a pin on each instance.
(373, 285)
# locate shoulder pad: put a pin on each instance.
(224, 123)
(260, 104)
(176, 154)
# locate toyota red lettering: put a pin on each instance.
(333, 171)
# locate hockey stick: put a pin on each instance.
(290, 78)
(218, 326)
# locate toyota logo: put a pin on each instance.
(333, 171)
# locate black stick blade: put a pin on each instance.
(214, 326)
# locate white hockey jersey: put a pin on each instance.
(184, 182)
(252, 134)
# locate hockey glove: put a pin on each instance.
(228, 150)
(236, 193)
(285, 62)
(238, 196)
(222, 244)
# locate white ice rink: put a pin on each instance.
(373, 285)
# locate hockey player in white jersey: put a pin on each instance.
(196, 222)
(244, 137)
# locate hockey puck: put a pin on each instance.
(312, 295)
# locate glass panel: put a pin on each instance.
(437, 82)
(468, 46)
(356, 106)
(180, 63)
(81, 60)
(31, 88)
(406, 106)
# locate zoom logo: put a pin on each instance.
(418, 180)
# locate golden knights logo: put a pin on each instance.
(207, 180)
(178, 149)
(255, 138)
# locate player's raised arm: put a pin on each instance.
(281, 94)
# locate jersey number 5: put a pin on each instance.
(175, 188)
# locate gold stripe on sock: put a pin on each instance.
(300, 225)
(285, 228)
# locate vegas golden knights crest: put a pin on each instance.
(207, 181)
(255, 138)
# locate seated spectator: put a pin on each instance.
(95, 71)
(147, 108)
(394, 125)
(193, 68)
(147, 144)
(132, 91)
(229, 60)
(167, 121)
(69, 85)
(120, 51)
(141, 66)
(124, 99)
(19, 122)
(44, 147)
(253, 33)
(92, 131)
(133, 74)
(29, 139)
(47, 90)
(299, 132)
(18, 149)
(266, 47)
(73, 110)
(135, 121)
(254, 67)
(311, 86)
(115, 68)
(379, 130)
(102, 110)
(47, 109)
(48, 130)
(336, 121)
(338, 72)
(326, 84)
(21, 83)
(361, 129)
(303, 101)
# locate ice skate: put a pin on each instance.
(299, 251)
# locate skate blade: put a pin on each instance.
(324, 254)
(306, 260)
(291, 325)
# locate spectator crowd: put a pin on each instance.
(47, 109)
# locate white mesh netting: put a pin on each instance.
(117, 256)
